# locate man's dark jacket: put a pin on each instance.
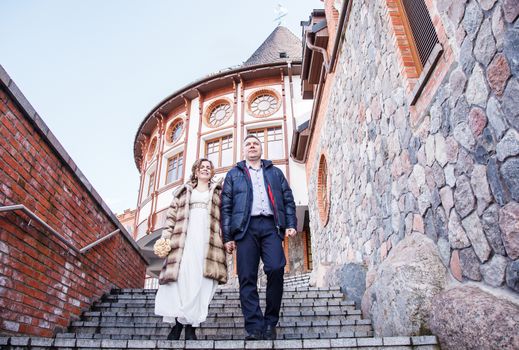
(237, 200)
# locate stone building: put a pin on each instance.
(209, 118)
(412, 163)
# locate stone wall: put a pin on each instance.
(448, 171)
(44, 284)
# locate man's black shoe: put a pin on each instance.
(270, 333)
(190, 332)
(254, 335)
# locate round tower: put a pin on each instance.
(209, 118)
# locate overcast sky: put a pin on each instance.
(94, 69)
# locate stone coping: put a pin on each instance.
(417, 342)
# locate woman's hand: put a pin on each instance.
(290, 232)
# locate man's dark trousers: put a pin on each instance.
(260, 240)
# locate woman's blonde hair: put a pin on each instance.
(196, 166)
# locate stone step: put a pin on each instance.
(208, 328)
(219, 336)
(400, 343)
(234, 303)
(236, 318)
(306, 311)
(230, 296)
(224, 290)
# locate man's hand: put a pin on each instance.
(230, 246)
(290, 232)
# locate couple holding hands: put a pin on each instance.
(254, 209)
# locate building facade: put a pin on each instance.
(210, 118)
(412, 162)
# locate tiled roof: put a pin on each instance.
(281, 40)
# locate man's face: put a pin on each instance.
(252, 149)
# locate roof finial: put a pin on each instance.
(281, 12)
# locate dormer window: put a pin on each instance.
(283, 55)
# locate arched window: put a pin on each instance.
(263, 103)
(323, 191)
(152, 147)
(175, 130)
(218, 113)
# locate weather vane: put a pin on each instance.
(281, 13)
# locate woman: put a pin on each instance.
(195, 263)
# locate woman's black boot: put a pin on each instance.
(176, 331)
(190, 332)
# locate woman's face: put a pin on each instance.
(204, 171)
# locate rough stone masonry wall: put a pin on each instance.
(454, 178)
(43, 284)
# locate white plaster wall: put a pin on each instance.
(144, 213)
(194, 121)
(302, 108)
(298, 183)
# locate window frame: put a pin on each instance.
(212, 106)
(176, 156)
(323, 190)
(265, 140)
(220, 140)
(151, 183)
(172, 125)
(416, 71)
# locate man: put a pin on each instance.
(257, 211)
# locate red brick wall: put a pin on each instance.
(43, 283)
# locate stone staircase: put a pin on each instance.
(311, 318)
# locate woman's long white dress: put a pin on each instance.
(188, 298)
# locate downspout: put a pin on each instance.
(319, 49)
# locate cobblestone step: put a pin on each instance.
(400, 343)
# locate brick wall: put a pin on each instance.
(43, 283)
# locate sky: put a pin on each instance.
(94, 69)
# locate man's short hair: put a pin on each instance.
(249, 136)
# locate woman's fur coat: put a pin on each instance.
(177, 220)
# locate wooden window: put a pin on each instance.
(263, 103)
(220, 151)
(175, 168)
(415, 33)
(152, 147)
(151, 181)
(218, 113)
(422, 28)
(272, 140)
(175, 131)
